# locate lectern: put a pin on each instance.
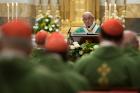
(82, 38)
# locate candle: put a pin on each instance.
(110, 10)
(16, 10)
(115, 10)
(12, 10)
(105, 5)
(115, 6)
(125, 4)
(8, 17)
(106, 11)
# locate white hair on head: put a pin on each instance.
(88, 13)
(130, 39)
(131, 32)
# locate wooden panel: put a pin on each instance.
(133, 24)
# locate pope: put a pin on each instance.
(90, 26)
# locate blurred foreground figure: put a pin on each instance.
(130, 42)
(131, 48)
(17, 74)
(108, 67)
(55, 58)
(40, 38)
(39, 51)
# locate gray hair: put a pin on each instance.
(88, 14)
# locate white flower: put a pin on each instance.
(47, 20)
(38, 19)
(72, 47)
(77, 45)
(74, 43)
(57, 30)
(81, 52)
(50, 29)
(45, 27)
(53, 25)
(56, 21)
(35, 27)
(96, 46)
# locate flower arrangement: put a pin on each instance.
(77, 50)
(47, 23)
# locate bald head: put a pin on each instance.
(88, 19)
(130, 39)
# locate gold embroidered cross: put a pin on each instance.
(103, 70)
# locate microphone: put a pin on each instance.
(69, 30)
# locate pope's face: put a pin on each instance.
(88, 20)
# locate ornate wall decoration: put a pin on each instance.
(72, 10)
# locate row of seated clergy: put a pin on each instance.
(18, 74)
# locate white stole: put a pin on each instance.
(93, 27)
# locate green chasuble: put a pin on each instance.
(92, 30)
(18, 75)
(37, 54)
(135, 55)
(12, 72)
(132, 52)
(107, 68)
(72, 81)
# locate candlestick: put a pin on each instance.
(8, 17)
(16, 10)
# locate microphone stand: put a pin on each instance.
(70, 39)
